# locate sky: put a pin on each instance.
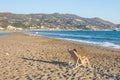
(105, 9)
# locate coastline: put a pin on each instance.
(95, 38)
(23, 56)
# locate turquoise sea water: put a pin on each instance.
(109, 39)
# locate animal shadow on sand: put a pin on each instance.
(46, 61)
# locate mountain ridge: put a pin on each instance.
(54, 21)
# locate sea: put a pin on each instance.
(5, 33)
(110, 39)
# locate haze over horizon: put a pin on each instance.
(105, 9)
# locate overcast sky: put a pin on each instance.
(105, 9)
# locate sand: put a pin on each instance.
(24, 57)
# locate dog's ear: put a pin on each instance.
(75, 50)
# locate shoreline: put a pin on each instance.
(13, 32)
(85, 43)
(23, 56)
(105, 44)
(62, 39)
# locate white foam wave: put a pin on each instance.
(111, 45)
(76, 35)
(104, 44)
(66, 35)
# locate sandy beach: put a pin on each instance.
(24, 57)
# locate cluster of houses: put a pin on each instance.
(11, 28)
(1, 28)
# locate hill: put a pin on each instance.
(54, 21)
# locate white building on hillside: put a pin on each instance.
(1, 28)
(11, 27)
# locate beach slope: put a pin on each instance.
(24, 57)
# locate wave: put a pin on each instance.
(77, 36)
(104, 44)
(61, 34)
(87, 38)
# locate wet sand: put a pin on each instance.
(24, 57)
